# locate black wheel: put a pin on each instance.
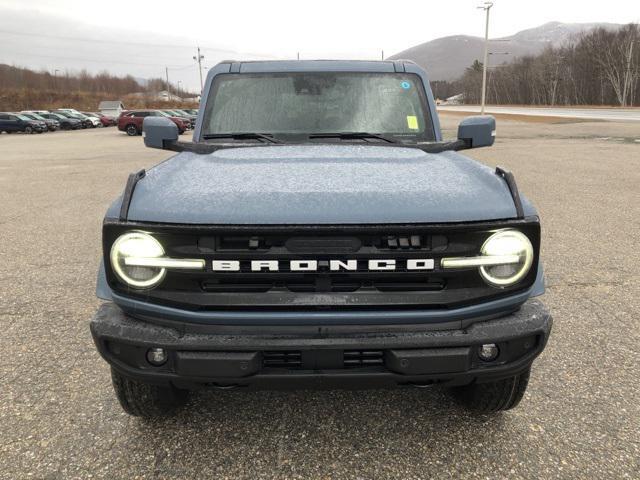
(493, 397)
(146, 400)
(28, 130)
(131, 130)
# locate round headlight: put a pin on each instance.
(137, 245)
(510, 244)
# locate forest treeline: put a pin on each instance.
(599, 67)
(25, 89)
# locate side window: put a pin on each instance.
(13, 117)
(4, 117)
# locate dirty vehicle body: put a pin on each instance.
(318, 232)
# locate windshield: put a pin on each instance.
(23, 117)
(163, 114)
(313, 103)
(36, 116)
(58, 116)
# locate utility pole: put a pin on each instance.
(298, 56)
(382, 55)
(199, 59)
(487, 6)
(166, 70)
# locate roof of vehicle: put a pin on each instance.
(257, 66)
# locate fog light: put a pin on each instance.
(488, 352)
(157, 356)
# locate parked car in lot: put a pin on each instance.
(85, 121)
(66, 123)
(181, 114)
(107, 121)
(190, 111)
(52, 124)
(16, 122)
(95, 119)
(191, 116)
(131, 121)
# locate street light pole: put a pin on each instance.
(487, 6)
(199, 59)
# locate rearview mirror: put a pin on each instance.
(159, 132)
(477, 131)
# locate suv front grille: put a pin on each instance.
(322, 288)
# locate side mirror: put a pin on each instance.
(159, 132)
(477, 131)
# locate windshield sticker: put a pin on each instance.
(412, 122)
(406, 85)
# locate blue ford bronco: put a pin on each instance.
(318, 232)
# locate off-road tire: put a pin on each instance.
(145, 400)
(492, 397)
(131, 130)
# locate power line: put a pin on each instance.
(94, 60)
(116, 42)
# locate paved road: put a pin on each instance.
(611, 114)
(579, 418)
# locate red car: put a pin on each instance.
(131, 121)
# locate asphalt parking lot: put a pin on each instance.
(580, 417)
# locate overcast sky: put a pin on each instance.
(47, 33)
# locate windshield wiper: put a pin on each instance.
(352, 135)
(244, 135)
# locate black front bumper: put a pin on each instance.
(271, 357)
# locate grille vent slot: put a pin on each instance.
(363, 358)
(282, 359)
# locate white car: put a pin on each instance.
(94, 120)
